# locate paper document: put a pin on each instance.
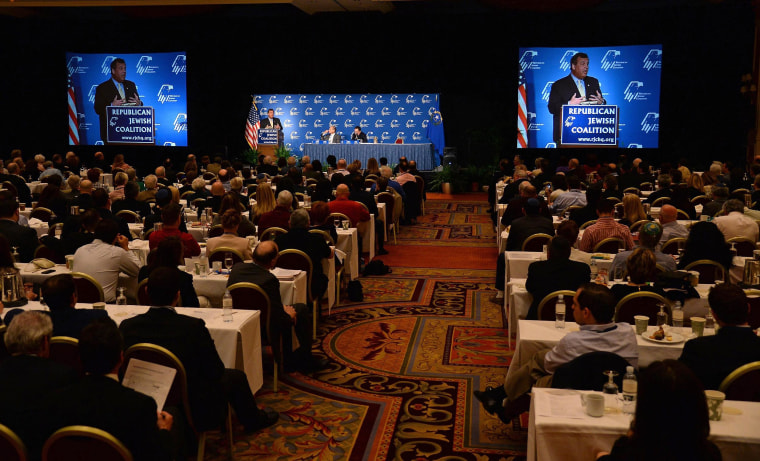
(285, 274)
(151, 379)
(559, 403)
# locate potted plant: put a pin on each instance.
(282, 151)
(443, 179)
(251, 157)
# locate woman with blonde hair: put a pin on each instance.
(695, 185)
(264, 202)
(633, 210)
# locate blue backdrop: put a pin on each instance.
(388, 116)
(160, 81)
(628, 75)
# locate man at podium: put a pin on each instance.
(576, 88)
(115, 91)
(271, 121)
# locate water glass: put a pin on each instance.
(228, 260)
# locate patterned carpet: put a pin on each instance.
(404, 362)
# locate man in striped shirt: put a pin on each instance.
(605, 227)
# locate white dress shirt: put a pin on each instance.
(104, 262)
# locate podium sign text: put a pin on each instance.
(269, 136)
(595, 125)
(131, 125)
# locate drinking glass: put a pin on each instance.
(228, 260)
(337, 223)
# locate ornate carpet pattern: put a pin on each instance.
(451, 222)
(403, 365)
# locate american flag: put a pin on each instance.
(522, 113)
(73, 117)
(252, 125)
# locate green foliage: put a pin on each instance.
(251, 156)
(449, 174)
(282, 152)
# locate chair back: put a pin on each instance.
(647, 186)
(632, 190)
(186, 194)
(198, 202)
(547, 305)
(587, 223)
(368, 183)
(215, 231)
(536, 242)
(635, 226)
(129, 216)
(44, 251)
(743, 383)
(41, 213)
(10, 187)
(743, 246)
(586, 372)
(609, 245)
(311, 181)
(660, 202)
(640, 303)
(88, 289)
(65, 350)
(208, 176)
(11, 446)
(572, 208)
(682, 215)
(142, 293)
(709, 271)
(700, 200)
(753, 296)
(671, 246)
(220, 253)
(390, 201)
(298, 260)
(84, 443)
(342, 218)
(325, 235)
(54, 227)
(413, 202)
(272, 233)
(246, 295)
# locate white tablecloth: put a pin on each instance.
(213, 287)
(552, 437)
(348, 242)
(238, 342)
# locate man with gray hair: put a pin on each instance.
(151, 184)
(28, 376)
(734, 223)
(280, 216)
(664, 181)
(161, 176)
(386, 172)
(719, 198)
(315, 247)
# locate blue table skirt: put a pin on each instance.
(421, 153)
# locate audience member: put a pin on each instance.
(280, 216)
(315, 247)
(130, 202)
(102, 204)
(734, 223)
(230, 221)
(169, 253)
(342, 204)
(60, 294)
(633, 211)
(23, 238)
(715, 206)
(569, 230)
(706, 241)
(171, 215)
(649, 235)
(670, 226)
(641, 268)
(532, 223)
(605, 227)
(573, 197)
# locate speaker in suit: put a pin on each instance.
(274, 122)
(105, 94)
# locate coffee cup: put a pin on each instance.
(70, 262)
(593, 404)
(715, 404)
(99, 305)
(642, 322)
(698, 325)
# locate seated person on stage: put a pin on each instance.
(211, 386)
(734, 223)
(532, 223)
(667, 387)
(712, 358)
(558, 272)
(649, 234)
(315, 247)
(27, 376)
(283, 319)
(330, 135)
(60, 294)
(230, 221)
(171, 216)
(107, 257)
(358, 135)
(670, 227)
(169, 254)
(604, 227)
(280, 216)
(593, 309)
(100, 401)
(641, 268)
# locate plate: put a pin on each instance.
(676, 338)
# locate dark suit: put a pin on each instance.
(83, 201)
(128, 415)
(22, 237)
(280, 322)
(210, 386)
(24, 195)
(315, 248)
(515, 210)
(712, 358)
(662, 192)
(24, 381)
(511, 190)
(265, 123)
(70, 321)
(362, 136)
(104, 96)
(524, 227)
(120, 223)
(326, 137)
(564, 89)
(545, 277)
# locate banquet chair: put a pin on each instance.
(709, 271)
(660, 202)
(635, 226)
(186, 194)
(208, 176)
(220, 253)
(310, 181)
(301, 197)
(142, 293)
(700, 200)
(178, 393)
(671, 246)
(297, 259)
(743, 383)
(246, 295)
(11, 446)
(215, 231)
(613, 199)
(586, 372)
(65, 350)
(632, 190)
(646, 186)
(682, 215)
(743, 246)
(129, 216)
(326, 235)
(753, 318)
(41, 213)
(420, 181)
(84, 443)
(54, 227)
(609, 245)
(368, 183)
(197, 202)
(413, 202)
(536, 242)
(342, 218)
(3, 349)
(587, 223)
(389, 201)
(570, 209)
(339, 267)
(547, 305)
(44, 251)
(7, 185)
(88, 289)
(272, 233)
(641, 303)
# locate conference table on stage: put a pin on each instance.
(421, 153)
(238, 342)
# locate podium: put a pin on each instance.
(269, 140)
(589, 126)
(130, 125)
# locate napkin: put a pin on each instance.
(559, 403)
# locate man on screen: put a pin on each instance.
(576, 88)
(115, 91)
(271, 121)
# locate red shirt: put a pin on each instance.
(192, 248)
(354, 210)
(279, 217)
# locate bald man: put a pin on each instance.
(342, 204)
(670, 227)
(215, 201)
